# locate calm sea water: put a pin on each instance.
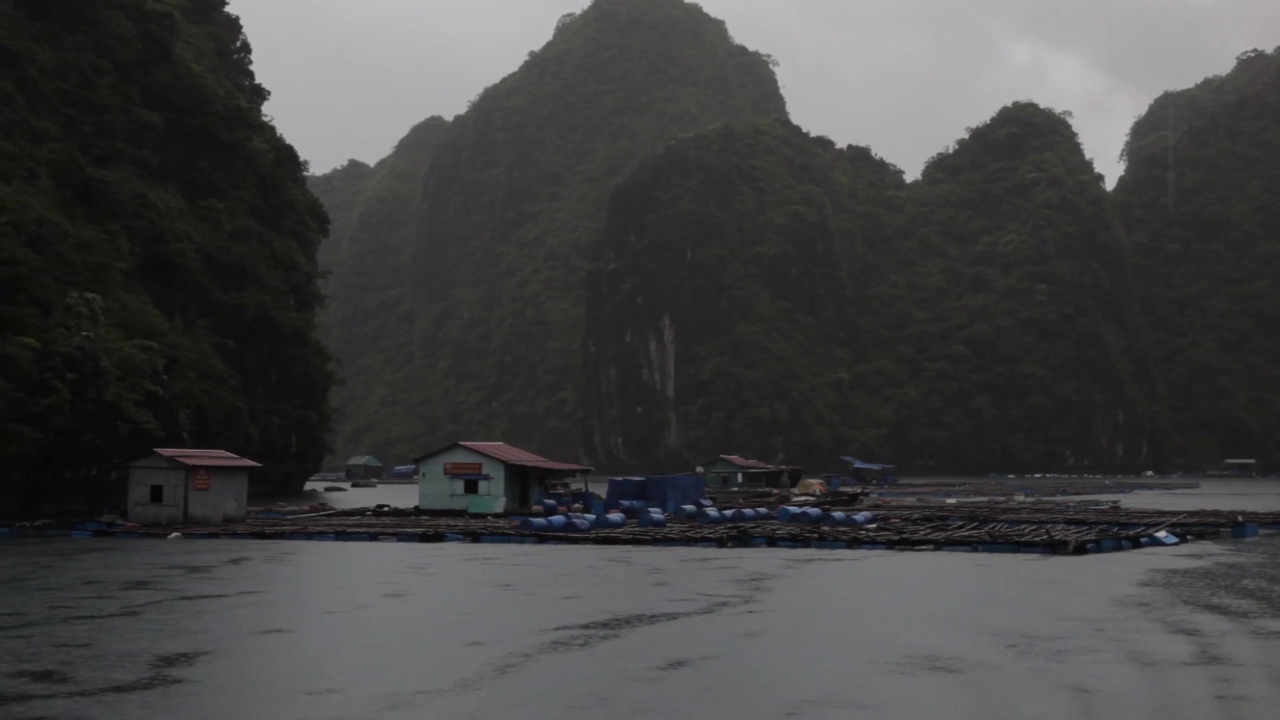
(255, 629)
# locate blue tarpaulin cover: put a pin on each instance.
(671, 491)
(631, 488)
(865, 465)
(666, 492)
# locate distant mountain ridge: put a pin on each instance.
(509, 203)
(625, 253)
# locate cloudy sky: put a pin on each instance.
(349, 77)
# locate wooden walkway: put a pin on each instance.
(1002, 528)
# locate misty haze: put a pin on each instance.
(639, 358)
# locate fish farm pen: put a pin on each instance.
(1030, 487)
(1062, 529)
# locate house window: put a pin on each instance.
(157, 494)
(470, 486)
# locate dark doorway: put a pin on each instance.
(521, 477)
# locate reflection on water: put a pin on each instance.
(224, 628)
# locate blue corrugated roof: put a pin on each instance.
(865, 465)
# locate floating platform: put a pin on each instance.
(1008, 529)
(1012, 487)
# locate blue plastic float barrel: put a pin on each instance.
(653, 520)
(577, 526)
(835, 519)
(550, 506)
(710, 516)
(743, 515)
(687, 512)
(808, 516)
(612, 521)
(704, 503)
(535, 525)
(785, 512)
(557, 523)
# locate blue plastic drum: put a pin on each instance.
(653, 520)
(808, 516)
(612, 521)
(710, 516)
(835, 519)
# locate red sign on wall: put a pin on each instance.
(200, 479)
(456, 468)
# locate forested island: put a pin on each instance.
(158, 274)
(624, 252)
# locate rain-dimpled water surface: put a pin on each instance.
(223, 629)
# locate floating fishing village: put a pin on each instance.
(490, 492)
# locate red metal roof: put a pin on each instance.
(205, 458)
(745, 463)
(514, 456)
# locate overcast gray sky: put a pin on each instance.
(349, 77)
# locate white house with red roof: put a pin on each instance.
(487, 477)
(727, 473)
(176, 486)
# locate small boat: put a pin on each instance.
(363, 484)
(335, 488)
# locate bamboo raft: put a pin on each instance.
(1029, 487)
(1057, 530)
(984, 490)
(1068, 515)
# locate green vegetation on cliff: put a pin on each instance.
(366, 323)
(762, 290)
(625, 252)
(512, 196)
(1028, 353)
(158, 279)
(727, 305)
(1200, 199)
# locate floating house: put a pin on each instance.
(865, 473)
(488, 477)
(1239, 467)
(363, 467)
(183, 486)
(732, 472)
